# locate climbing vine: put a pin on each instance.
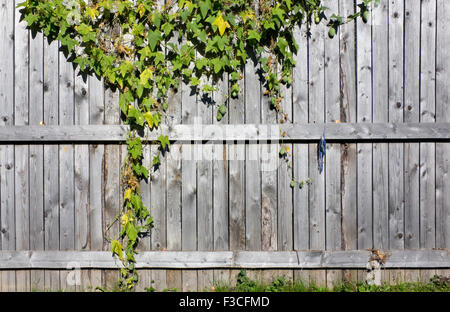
(144, 50)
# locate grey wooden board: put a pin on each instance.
(21, 153)
(412, 60)
(299, 132)
(442, 114)
(236, 178)
(426, 229)
(395, 114)
(380, 80)
(36, 160)
(348, 113)
(420, 258)
(253, 191)
(300, 151)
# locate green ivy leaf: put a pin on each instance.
(164, 141)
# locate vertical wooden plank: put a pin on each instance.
(66, 165)
(252, 165)
(316, 114)
(237, 195)
(174, 175)
(380, 114)
(112, 181)
(442, 115)
(51, 160)
(300, 151)
(205, 216)
(81, 171)
(412, 49)
(364, 156)
(96, 95)
(332, 170)
(158, 211)
(426, 218)
(145, 275)
(285, 191)
(220, 181)
(348, 90)
(412, 109)
(396, 161)
(236, 182)
(36, 160)
(269, 173)
(174, 184)
(21, 152)
(7, 229)
(158, 203)
(256, 221)
(189, 189)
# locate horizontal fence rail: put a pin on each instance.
(334, 132)
(353, 259)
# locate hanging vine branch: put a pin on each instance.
(130, 44)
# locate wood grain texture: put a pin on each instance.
(442, 114)
(380, 114)
(424, 220)
(21, 153)
(207, 260)
(317, 115)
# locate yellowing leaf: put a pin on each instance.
(126, 218)
(149, 117)
(221, 24)
(141, 10)
(146, 75)
(92, 12)
(117, 249)
(127, 195)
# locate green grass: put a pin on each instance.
(281, 284)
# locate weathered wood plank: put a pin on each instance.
(285, 239)
(205, 208)
(252, 165)
(51, 159)
(269, 173)
(380, 86)
(112, 189)
(81, 182)
(220, 188)
(66, 166)
(332, 168)
(174, 180)
(317, 115)
(320, 259)
(348, 109)
(395, 91)
(442, 114)
(7, 236)
(300, 151)
(21, 153)
(237, 174)
(396, 203)
(412, 59)
(189, 188)
(96, 99)
(364, 199)
(36, 159)
(427, 216)
(184, 134)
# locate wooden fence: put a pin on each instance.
(380, 91)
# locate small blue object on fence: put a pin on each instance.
(321, 151)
